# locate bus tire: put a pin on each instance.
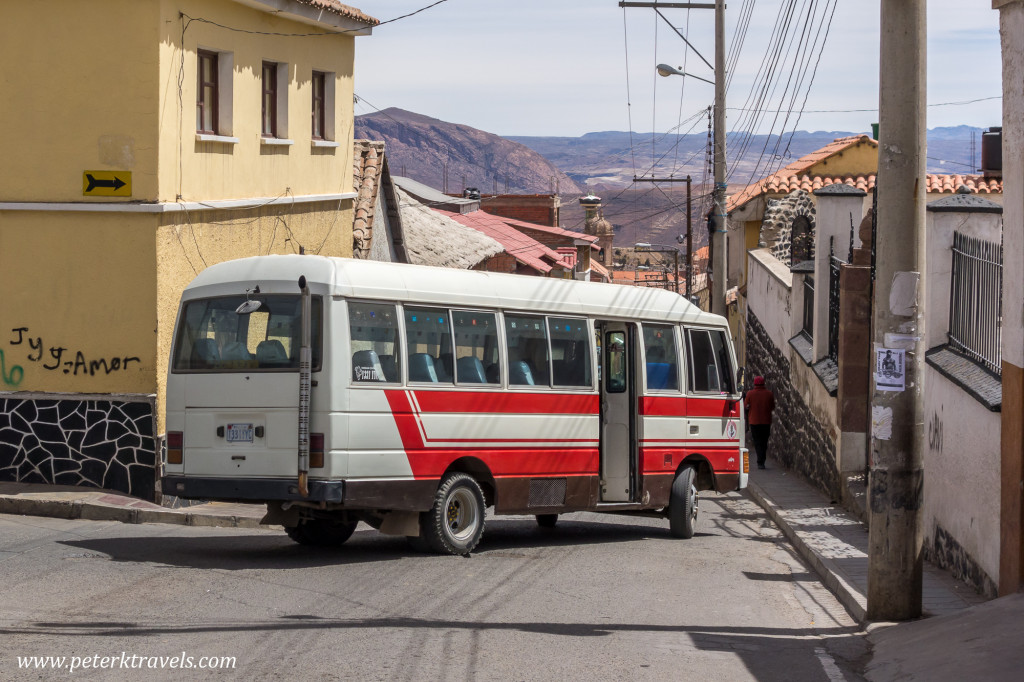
(321, 533)
(682, 505)
(547, 520)
(455, 523)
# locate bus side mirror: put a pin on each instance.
(741, 375)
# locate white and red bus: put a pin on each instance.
(414, 398)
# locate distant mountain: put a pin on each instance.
(424, 149)
(606, 162)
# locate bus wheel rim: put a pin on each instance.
(461, 514)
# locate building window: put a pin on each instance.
(270, 99)
(207, 93)
(319, 105)
(214, 71)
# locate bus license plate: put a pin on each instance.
(239, 433)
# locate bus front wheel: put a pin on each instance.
(682, 505)
(321, 533)
(455, 523)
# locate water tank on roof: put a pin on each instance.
(992, 152)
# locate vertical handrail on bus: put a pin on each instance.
(305, 380)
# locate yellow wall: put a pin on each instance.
(186, 245)
(82, 282)
(66, 71)
(214, 170)
(859, 159)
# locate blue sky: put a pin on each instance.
(569, 67)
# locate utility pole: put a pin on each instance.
(689, 233)
(718, 236)
(718, 266)
(895, 538)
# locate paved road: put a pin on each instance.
(598, 597)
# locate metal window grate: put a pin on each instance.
(976, 300)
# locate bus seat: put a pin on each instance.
(421, 368)
(366, 366)
(443, 367)
(271, 353)
(204, 354)
(661, 376)
(519, 374)
(235, 351)
(471, 370)
(390, 367)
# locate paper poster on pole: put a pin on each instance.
(890, 369)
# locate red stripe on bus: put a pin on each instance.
(432, 462)
(405, 419)
(665, 406)
(667, 460)
(501, 402)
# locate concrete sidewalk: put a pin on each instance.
(67, 502)
(835, 543)
(962, 636)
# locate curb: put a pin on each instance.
(94, 511)
(849, 597)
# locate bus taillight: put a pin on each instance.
(316, 450)
(746, 461)
(174, 443)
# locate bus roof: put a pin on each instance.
(445, 286)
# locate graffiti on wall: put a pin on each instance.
(935, 432)
(31, 350)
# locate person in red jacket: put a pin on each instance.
(760, 402)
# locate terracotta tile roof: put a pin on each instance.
(524, 249)
(520, 224)
(979, 184)
(794, 177)
(794, 169)
(342, 10)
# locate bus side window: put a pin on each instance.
(476, 347)
(662, 360)
(527, 340)
(570, 351)
(428, 340)
(707, 353)
(373, 330)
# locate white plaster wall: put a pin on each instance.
(939, 263)
(769, 295)
(834, 214)
(961, 465)
(1011, 28)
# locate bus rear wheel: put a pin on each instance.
(321, 533)
(455, 523)
(682, 505)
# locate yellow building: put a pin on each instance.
(145, 141)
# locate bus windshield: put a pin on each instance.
(214, 337)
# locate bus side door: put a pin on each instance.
(618, 411)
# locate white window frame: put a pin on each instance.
(225, 98)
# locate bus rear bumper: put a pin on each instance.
(392, 494)
(251, 489)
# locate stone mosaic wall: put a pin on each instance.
(79, 442)
(945, 552)
(799, 442)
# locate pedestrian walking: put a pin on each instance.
(760, 403)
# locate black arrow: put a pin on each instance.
(116, 183)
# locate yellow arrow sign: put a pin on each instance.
(107, 183)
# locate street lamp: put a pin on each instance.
(666, 71)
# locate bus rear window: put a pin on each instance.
(213, 337)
